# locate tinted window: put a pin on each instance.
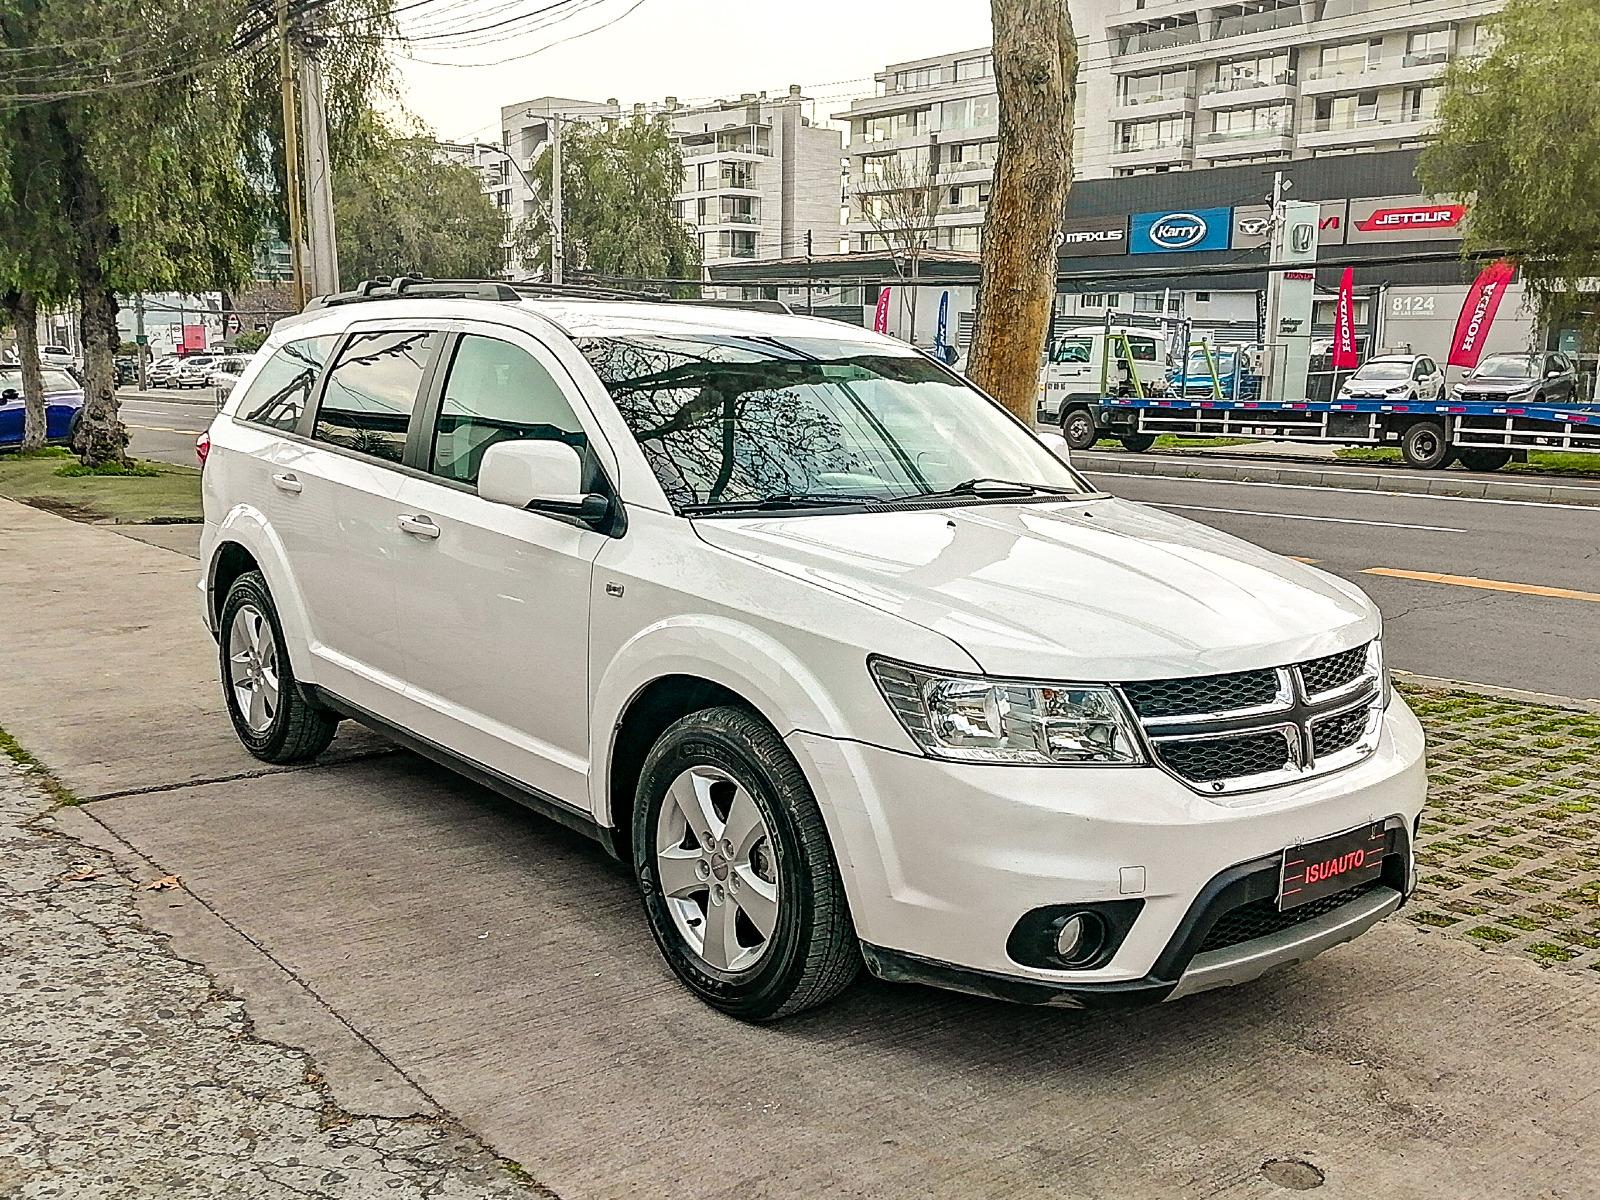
(371, 391)
(280, 391)
(496, 392)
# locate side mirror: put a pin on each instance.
(543, 476)
(1057, 445)
(10, 394)
(1553, 373)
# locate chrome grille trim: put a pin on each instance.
(1296, 713)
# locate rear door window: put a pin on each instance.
(372, 391)
(282, 388)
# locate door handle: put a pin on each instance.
(419, 525)
(286, 482)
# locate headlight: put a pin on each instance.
(1375, 659)
(967, 718)
(1398, 388)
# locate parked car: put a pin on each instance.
(127, 370)
(63, 401)
(57, 356)
(193, 371)
(1545, 377)
(225, 371)
(849, 665)
(164, 371)
(1395, 377)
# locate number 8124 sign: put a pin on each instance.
(1411, 306)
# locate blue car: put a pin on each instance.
(63, 403)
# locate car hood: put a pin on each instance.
(1082, 590)
(1502, 387)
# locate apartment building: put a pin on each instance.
(1172, 85)
(760, 178)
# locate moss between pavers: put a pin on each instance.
(1509, 851)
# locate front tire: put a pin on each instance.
(1483, 460)
(1077, 426)
(1425, 447)
(271, 716)
(736, 870)
(1137, 443)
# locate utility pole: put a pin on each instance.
(808, 273)
(322, 273)
(143, 353)
(291, 158)
(557, 253)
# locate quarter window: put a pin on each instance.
(497, 392)
(371, 391)
(279, 392)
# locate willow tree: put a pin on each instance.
(1519, 132)
(1035, 69)
(618, 180)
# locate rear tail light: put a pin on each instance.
(202, 447)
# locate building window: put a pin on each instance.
(970, 112)
(1239, 122)
(1151, 302)
(1154, 135)
(1422, 103)
(1347, 112)
(1202, 297)
(1253, 72)
(913, 162)
(975, 68)
(1159, 85)
(917, 78)
(967, 154)
(893, 126)
(1427, 46)
(1099, 300)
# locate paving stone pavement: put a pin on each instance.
(1510, 850)
(124, 1073)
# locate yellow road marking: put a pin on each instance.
(1491, 585)
(163, 429)
(1310, 562)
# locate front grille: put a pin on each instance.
(1333, 734)
(1157, 698)
(1258, 918)
(1206, 760)
(1334, 671)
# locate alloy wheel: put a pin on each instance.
(717, 870)
(253, 667)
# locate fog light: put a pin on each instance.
(1070, 937)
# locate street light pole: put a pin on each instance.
(291, 158)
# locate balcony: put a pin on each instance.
(1247, 91)
(1244, 143)
(1172, 102)
(1158, 39)
(1151, 154)
(1261, 22)
(1394, 71)
(1353, 130)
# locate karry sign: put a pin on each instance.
(1477, 313)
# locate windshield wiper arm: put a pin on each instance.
(988, 486)
(782, 500)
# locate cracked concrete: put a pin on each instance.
(125, 1072)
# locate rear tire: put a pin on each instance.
(1483, 460)
(1137, 443)
(1424, 446)
(271, 716)
(756, 923)
(1077, 426)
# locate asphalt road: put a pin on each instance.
(1520, 604)
(1536, 628)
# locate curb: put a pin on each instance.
(1470, 487)
(200, 397)
(1570, 703)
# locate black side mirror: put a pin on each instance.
(10, 394)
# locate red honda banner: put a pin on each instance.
(880, 320)
(1477, 313)
(1345, 356)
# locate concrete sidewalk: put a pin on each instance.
(502, 968)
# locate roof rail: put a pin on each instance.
(412, 287)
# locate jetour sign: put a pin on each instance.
(1405, 219)
(1420, 216)
(1178, 231)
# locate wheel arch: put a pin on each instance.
(244, 542)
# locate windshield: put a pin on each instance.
(54, 381)
(740, 420)
(1505, 366)
(1199, 366)
(1375, 372)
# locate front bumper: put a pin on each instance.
(941, 860)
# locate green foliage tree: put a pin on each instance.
(618, 181)
(404, 210)
(1519, 131)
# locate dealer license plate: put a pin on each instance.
(1326, 867)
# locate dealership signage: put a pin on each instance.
(1252, 225)
(1405, 219)
(1094, 235)
(1180, 231)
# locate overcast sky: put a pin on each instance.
(692, 49)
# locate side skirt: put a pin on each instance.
(543, 803)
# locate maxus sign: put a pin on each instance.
(1179, 231)
(1093, 235)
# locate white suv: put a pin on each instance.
(842, 659)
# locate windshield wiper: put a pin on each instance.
(986, 486)
(782, 500)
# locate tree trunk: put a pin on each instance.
(1035, 67)
(23, 309)
(102, 437)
